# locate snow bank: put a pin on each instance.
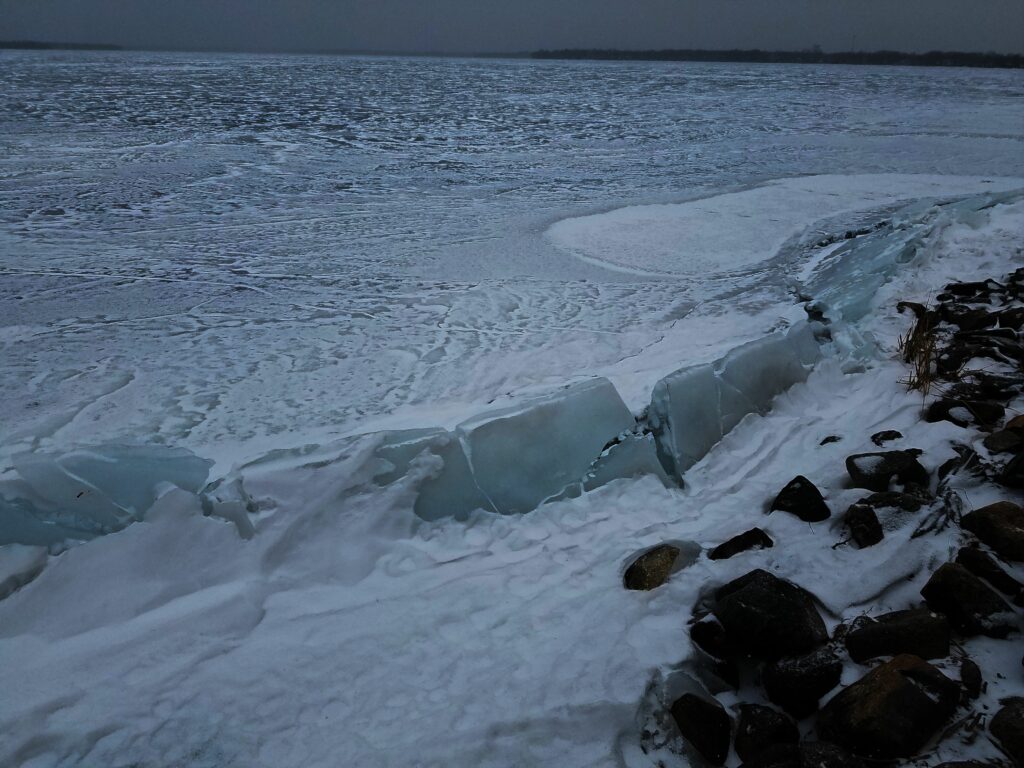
(698, 237)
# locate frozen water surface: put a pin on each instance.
(389, 297)
(232, 253)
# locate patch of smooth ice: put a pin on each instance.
(734, 231)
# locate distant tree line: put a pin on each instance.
(813, 56)
(35, 45)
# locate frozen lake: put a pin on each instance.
(236, 253)
(249, 258)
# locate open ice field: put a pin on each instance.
(229, 274)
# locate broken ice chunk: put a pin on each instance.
(524, 455)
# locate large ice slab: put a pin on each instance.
(88, 492)
(693, 408)
(450, 490)
(522, 456)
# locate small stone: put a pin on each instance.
(875, 471)
(768, 618)
(705, 725)
(759, 727)
(651, 569)
(892, 711)
(919, 632)
(984, 567)
(1008, 728)
(802, 498)
(797, 684)
(969, 604)
(886, 436)
(755, 538)
(862, 522)
(1001, 526)
(830, 439)
(970, 678)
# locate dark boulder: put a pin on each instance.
(970, 605)
(862, 523)
(968, 319)
(1001, 526)
(970, 678)
(886, 436)
(803, 499)
(710, 637)
(759, 727)
(980, 385)
(705, 725)
(984, 567)
(919, 632)
(1008, 728)
(768, 618)
(755, 538)
(1012, 318)
(1012, 475)
(875, 471)
(652, 568)
(891, 712)
(977, 291)
(1004, 441)
(965, 412)
(797, 684)
(809, 754)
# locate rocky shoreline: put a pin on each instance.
(760, 642)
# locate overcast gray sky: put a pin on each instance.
(522, 25)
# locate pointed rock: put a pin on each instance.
(803, 499)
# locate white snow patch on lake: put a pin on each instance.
(735, 231)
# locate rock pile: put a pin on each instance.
(759, 631)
